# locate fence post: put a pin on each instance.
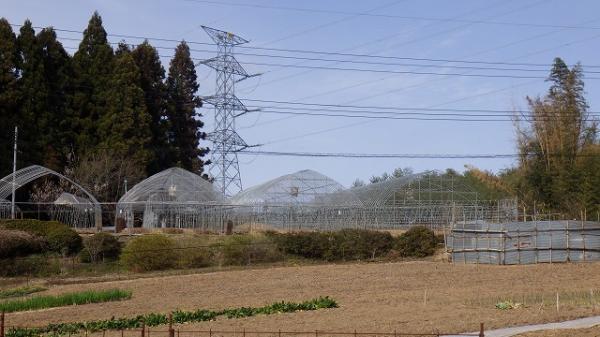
(143, 329)
(2, 323)
(171, 331)
(481, 332)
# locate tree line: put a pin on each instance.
(102, 104)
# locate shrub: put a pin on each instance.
(310, 245)
(100, 247)
(193, 252)
(418, 241)
(32, 265)
(150, 252)
(246, 249)
(332, 246)
(171, 230)
(359, 244)
(59, 237)
(14, 243)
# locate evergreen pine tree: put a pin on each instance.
(124, 126)
(152, 77)
(93, 64)
(8, 92)
(182, 102)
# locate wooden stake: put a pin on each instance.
(2, 324)
(557, 303)
(481, 332)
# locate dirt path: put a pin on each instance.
(581, 323)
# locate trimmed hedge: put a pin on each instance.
(150, 252)
(58, 236)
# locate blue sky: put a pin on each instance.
(361, 34)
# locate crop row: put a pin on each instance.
(76, 298)
(179, 317)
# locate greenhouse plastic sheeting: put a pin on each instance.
(525, 242)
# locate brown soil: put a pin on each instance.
(407, 296)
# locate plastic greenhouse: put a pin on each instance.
(173, 198)
(302, 187)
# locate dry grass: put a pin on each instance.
(407, 296)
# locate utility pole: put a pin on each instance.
(14, 183)
(226, 141)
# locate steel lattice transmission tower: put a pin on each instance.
(226, 141)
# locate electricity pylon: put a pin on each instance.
(226, 141)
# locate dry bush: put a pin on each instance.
(15, 243)
(194, 251)
(100, 247)
(59, 237)
(172, 230)
(150, 252)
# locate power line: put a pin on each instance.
(305, 51)
(402, 71)
(442, 66)
(379, 155)
(391, 155)
(434, 117)
(381, 71)
(354, 124)
(350, 106)
(391, 16)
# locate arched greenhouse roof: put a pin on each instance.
(302, 187)
(174, 185)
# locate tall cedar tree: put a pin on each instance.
(8, 93)
(58, 135)
(152, 81)
(185, 134)
(560, 131)
(32, 115)
(93, 64)
(124, 125)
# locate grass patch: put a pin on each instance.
(20, 291)
(179, 317)
(83, 297)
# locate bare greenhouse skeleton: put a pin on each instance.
(304, 200)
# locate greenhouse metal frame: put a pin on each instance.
(24, 176)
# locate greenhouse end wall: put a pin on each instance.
(525, 242)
